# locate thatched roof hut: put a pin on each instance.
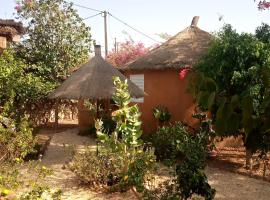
(10, 31)
(93, 80)
(182, 50)
(9, 28)
(160, 74)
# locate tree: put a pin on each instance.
(21, 93)
(232, 82)
(128, 51)
(57, 39)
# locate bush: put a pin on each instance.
(16, 139)
(104, 168)
(166, 142)
(96, 169)
(189, 176)
(11, 180)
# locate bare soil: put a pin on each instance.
(233, 160)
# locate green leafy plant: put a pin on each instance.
(192, 150)
(22, 93)
(121, 161)
(191, 178)
(11, 180)
(232, 82)
(166, 141)
(16, 139)
(161, 114)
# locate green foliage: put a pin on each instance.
(166, 142)
(161, 114)
(121, 161)
(191, 178)
(16, 139)
(21, 93)
(12, 180)
(128, 125)
(42, 193)
(57, 38)
(95, 168)
(232, 82)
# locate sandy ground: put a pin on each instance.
(228, 185)
(58, 154)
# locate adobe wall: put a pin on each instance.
(165, 88)
(85, 118)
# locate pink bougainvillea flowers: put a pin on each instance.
(18, 7)
(263, 5)
(183, 73)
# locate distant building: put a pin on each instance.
(10, 31)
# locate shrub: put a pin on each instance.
(16, 139)
(11, 180)
(189, 176)
(166, 142)
(96, 169)
(161, 114)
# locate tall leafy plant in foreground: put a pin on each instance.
(121, 162)
(125, 140)
(232, 82)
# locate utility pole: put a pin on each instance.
(105, 14)
(115, 45)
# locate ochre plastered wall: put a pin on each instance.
(164, 87)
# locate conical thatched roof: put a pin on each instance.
(9, 28)
(182, 50)
(93, 80)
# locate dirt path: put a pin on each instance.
(228, 185)
(57, 154)
(237, 187)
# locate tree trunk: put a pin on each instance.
(249, 161)
(56, 112)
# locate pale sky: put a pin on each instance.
(159, 16)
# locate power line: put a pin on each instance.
(92, 16)
(80, 6)
(116, 18)
(138, 31)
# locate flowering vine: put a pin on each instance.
(183, 73)
(21, 3)
(262, 5)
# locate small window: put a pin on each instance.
(138, 79)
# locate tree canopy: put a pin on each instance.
(233, 82)
(57, 39)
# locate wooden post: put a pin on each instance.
(3, 42)
(105, 32)
(97, 102)
(56, 112)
